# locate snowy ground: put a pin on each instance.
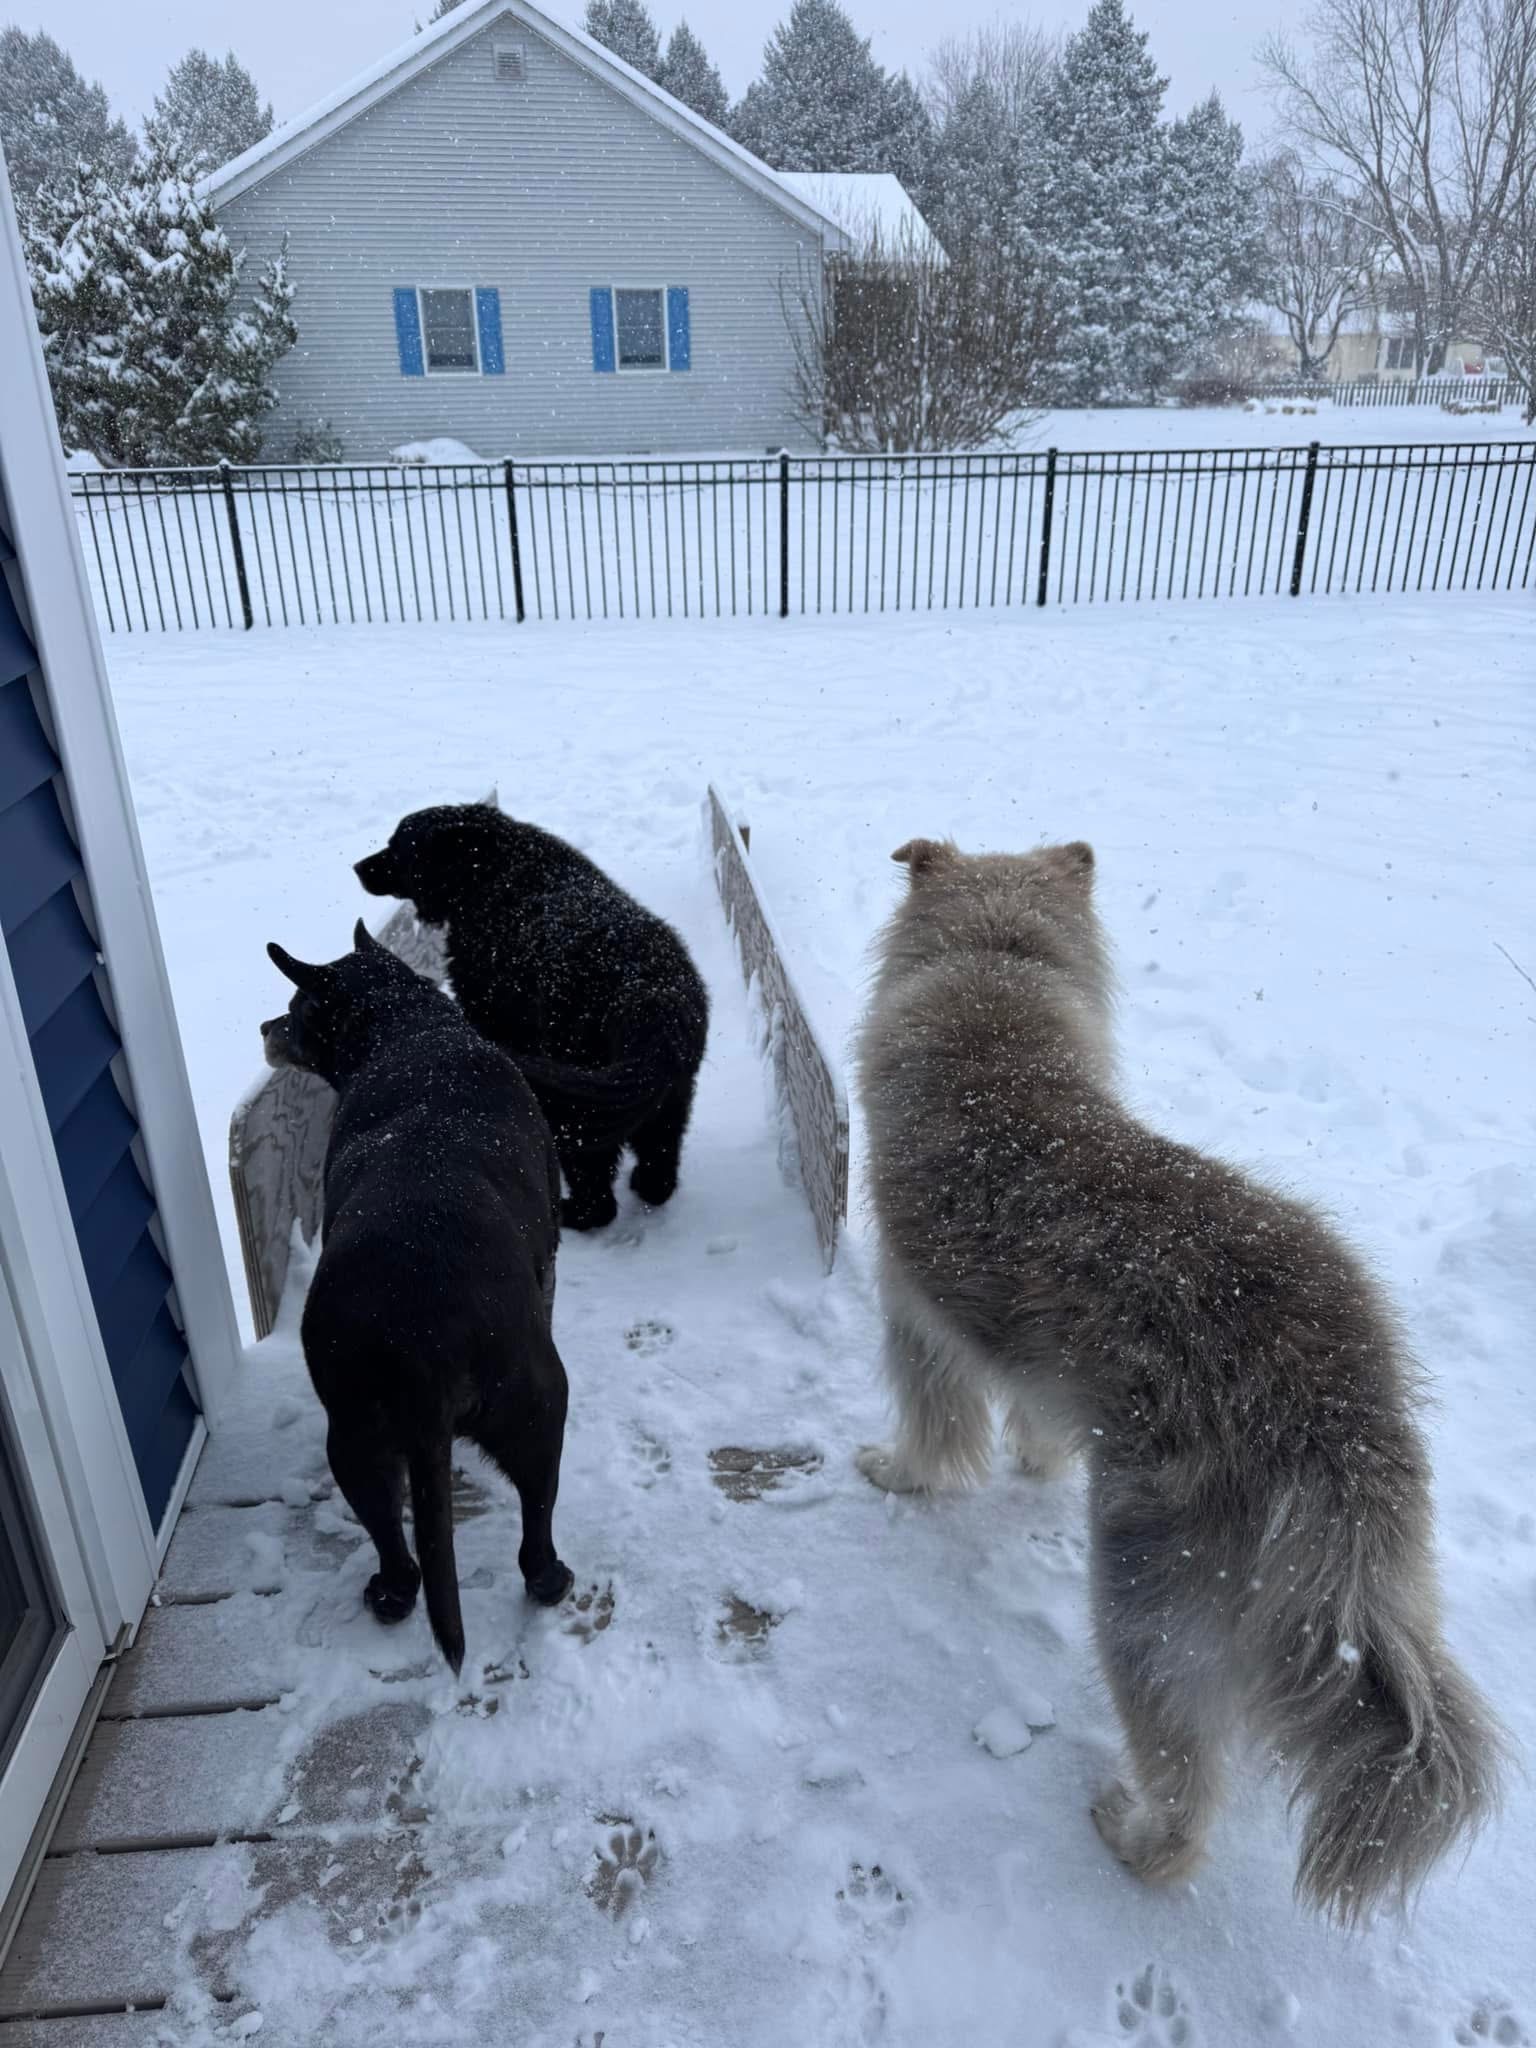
(1267, 424)
(1313, 824)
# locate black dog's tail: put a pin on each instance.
(431, 1470)
(597, 1105)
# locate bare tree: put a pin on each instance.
(897, 347)
(1012, 59)
(1320, 252)
(1507, 303)
(1426, 105)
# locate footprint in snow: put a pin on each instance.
(627, 1859)
(742, 1630)
(588, 1612)
(652, 1458)
(648, 1337)
(1492, 2020)
(1151, 2010)
(872, 1901)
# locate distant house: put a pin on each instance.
(1372, 343)
(505, 236)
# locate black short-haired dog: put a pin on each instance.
(428, 1315)
(595, 997)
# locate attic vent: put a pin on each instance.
(511, 64)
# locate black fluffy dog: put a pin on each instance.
(428, 1316)
(595, 998)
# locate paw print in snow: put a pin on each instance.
(872, 1901)
(626, 1863)
(1492, 2020)
(589, 1613)
(652, 1458)
(648, 1337)
(1151, 2010)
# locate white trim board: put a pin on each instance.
(295, 138)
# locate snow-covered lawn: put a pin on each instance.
(1267, 424)
(1314, 825)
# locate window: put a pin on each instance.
(641, 330)
(1400, 353)
(448, 330)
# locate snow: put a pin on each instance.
(441, 450)
(775, 1728)
(864, 204)
(1266, 423)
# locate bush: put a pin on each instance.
(1211, 388)
(318, 442)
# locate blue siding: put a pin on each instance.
(679, 337)
(413, 362)
(604, 355)
(45, 913)
(493, 361)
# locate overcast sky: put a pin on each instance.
(300, 50)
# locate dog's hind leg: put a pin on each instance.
(589, 1174)
(371, 1478)
(944, 1420)
(1166, 1656)
(657, 1145)
(523, 1430)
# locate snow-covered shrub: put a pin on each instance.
(317, 442)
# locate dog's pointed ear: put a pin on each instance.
(363, 940)
(493, 801)
(925, 856)
(298, 972)
(1074, 863)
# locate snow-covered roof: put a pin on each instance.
(864, 204)
(458, 26)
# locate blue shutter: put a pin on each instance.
(679, 341)
(488, 319)
(604, 356)
(408, 332)
(44, 907)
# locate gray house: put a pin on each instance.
(505, 236)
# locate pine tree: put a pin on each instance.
(626, 28)
(970, 191)
(1093, 203)
(52, 120)
(688, 75)
(1210, 258)
(824, 104)
(152, 357)
(210, 111)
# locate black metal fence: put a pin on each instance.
(172, 550)
(1480, 394)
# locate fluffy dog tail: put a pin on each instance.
(599, 1105)
(1396, 1757)
(431, 1470)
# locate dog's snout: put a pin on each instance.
(373, 872)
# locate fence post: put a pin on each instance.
(517, 549)
(1304, 519)
(237, 545)
(783, 533)
(1045, 522)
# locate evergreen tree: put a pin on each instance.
(209, 112)
(443, 7)
(626, 28)
(152, 356)
(1211, 259)
(52, 120)
(688, 75)
(1093, 204)
(971, 189)
(824, 104)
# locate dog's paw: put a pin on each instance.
(882, 1466)
(550, 1586)
(1142, 1839)
(653, 1186)
(588, 1213)
(389, 1602)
